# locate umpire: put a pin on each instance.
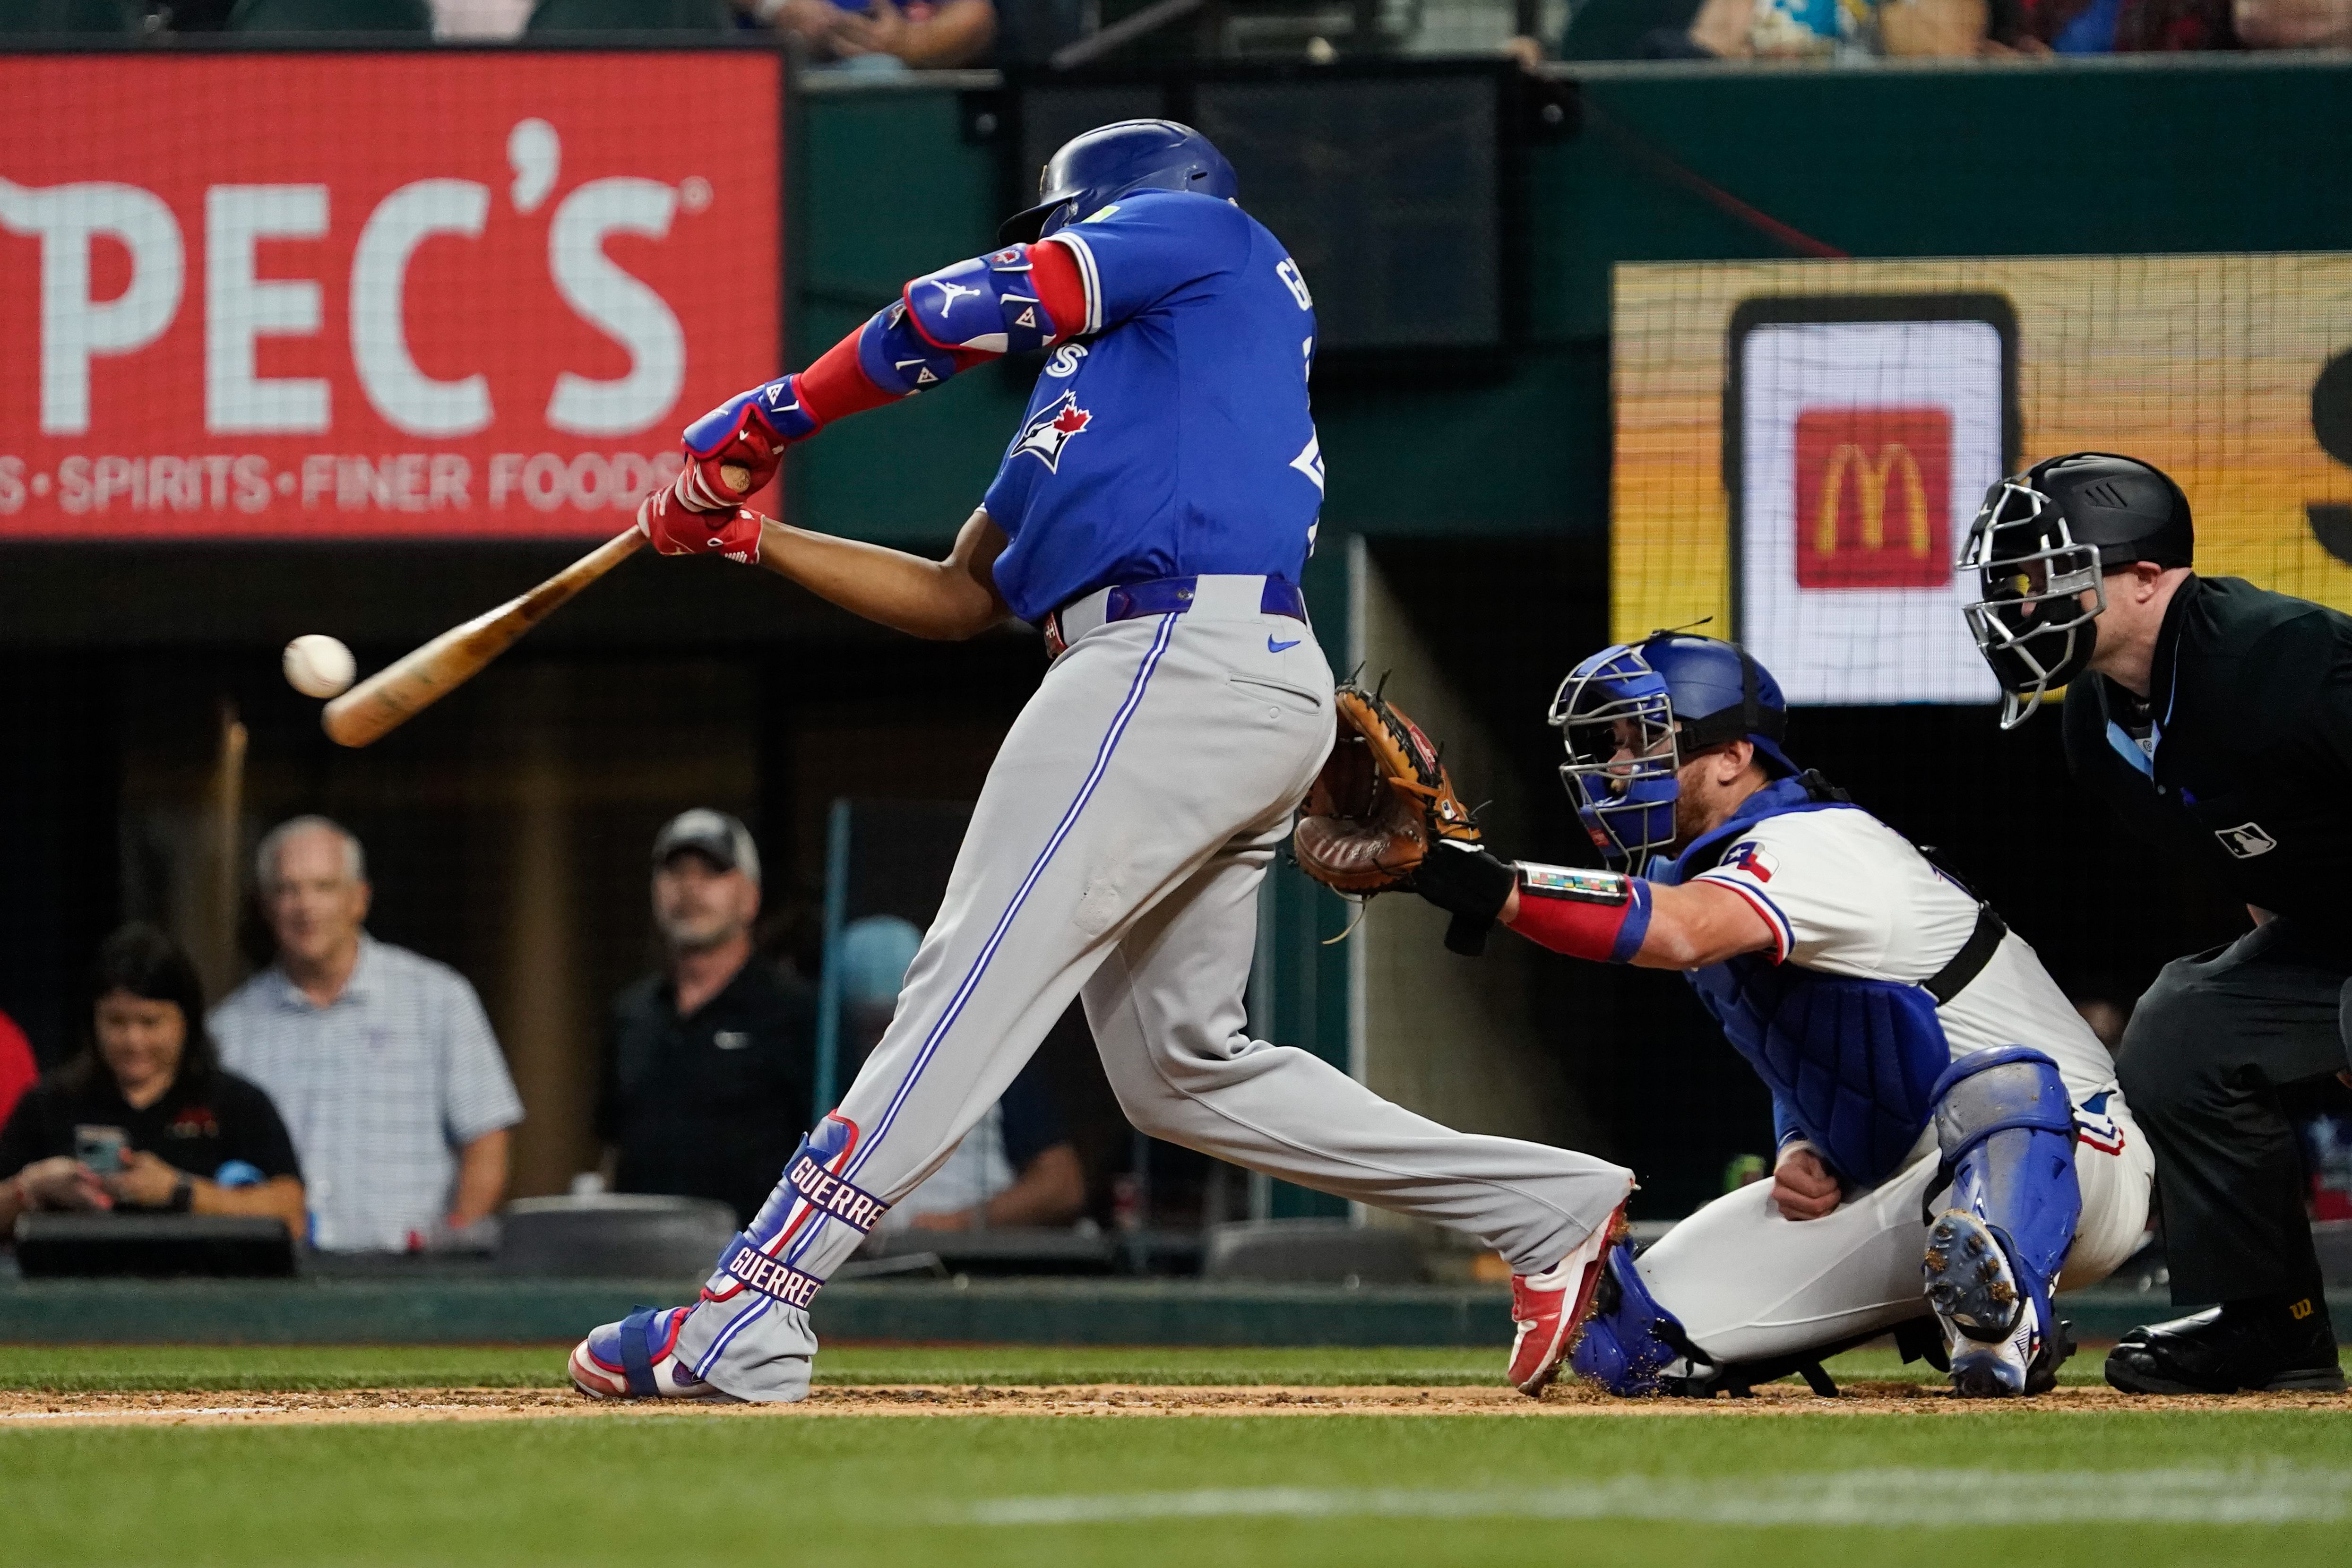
(2216, 718)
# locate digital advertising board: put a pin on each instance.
(1800, 447)
(357, 295)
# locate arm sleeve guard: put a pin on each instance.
(942, 323)
(1600, 915)
(1007, 301)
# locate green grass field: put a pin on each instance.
(2163, 1487)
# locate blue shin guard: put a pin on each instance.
(1629, 1340)
(2005, 1126)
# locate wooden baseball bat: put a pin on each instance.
(414, 681)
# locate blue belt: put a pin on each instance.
(1170, 596)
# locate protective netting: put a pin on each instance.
(1800, 445)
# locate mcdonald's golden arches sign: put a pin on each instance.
(1800, 445)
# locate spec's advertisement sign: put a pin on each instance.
(351, 295)
(1801, 445)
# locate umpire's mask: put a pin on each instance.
(2042, 541)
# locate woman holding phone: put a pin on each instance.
(144, 1118)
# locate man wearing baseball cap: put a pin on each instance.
(709, 1063)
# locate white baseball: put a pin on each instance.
(318, 666)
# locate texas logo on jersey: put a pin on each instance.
(1751, 859)
(1045, 437)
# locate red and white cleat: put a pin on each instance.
(1551, 1305)
(636, 1359)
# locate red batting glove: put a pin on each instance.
(738, 442)
(676, 529)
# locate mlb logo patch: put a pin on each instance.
(1874, 501)
(2246, 841)
(1751, 859)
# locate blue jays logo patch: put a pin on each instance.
(1045, 437)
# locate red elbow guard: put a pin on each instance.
(1599, 915)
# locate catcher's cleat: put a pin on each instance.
(2240, 1345)
(1550, 1307)
(1628, 1342)
(1993, 1331)
(636, 1359)
(2023, 1364)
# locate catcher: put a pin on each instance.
(1951, 1141)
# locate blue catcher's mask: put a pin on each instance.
(1629, 716)
(1093, 169)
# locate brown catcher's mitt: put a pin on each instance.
(1380, 802)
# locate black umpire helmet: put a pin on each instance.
(2044, 538)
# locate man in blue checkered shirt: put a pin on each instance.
(381, 1062)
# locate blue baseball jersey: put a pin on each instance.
(1171, 437)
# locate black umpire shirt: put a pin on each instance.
(2241, 759)
(711, 1106)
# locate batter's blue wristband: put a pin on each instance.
(1637, 922)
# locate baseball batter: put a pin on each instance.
(1153, 514)
(1950, 1136)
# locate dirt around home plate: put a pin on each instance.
(34, 1411)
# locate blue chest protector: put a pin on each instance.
(1852, 1064)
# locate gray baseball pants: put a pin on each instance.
(1116, 851)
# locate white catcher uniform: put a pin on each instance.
(1847, 895)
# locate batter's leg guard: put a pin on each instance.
(813, 1189)
(2005, 1127)
(750, 1332)
(1630, 1340)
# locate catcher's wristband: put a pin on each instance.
(1600, 915)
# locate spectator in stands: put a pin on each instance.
(923, 35)
(2112, 27)
(1734, 29)
(144, 1118)
(1016, 1166)
(1742, 29)
(18, 1070)
(381, 1060)
(2295, 24)
(707, 1083)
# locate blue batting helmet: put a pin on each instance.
(1094, 170)
(1630, 715)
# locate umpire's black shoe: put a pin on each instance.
(2240, 1345)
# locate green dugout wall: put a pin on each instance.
(2149, 155)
